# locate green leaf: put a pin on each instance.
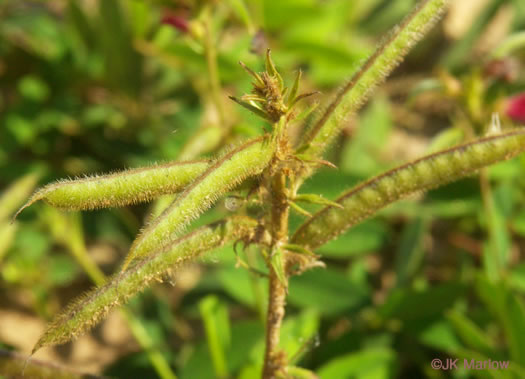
(509, 310)
(123, 65)
(366, 364)
(290, 97)
(496, 250)
(440, 335)
(81, 23)
(471, 334)
(239, 7)
(62, 270)
(361, 154)
(7, 236)
(364, 238)
(217, 325)
(33, 88)
(445, 139)
(12, 197)
(410, 252)
(409, 305)
(298, 336)
(298, 332)
(517, 277)
(327, 291)
(245, 335)
(458, 53)
(239, 284)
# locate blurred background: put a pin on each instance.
(98, 86)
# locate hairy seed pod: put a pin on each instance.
(377, 67)
(230, 170)
(89, 309)
(121, 188)
(425, 173)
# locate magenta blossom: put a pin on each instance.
(515, 108)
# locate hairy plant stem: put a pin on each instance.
(274, 359)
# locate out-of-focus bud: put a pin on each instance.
(177, 21)
(451, 85)
(196, 29)
(259, 43)
(515, 108)
(505, 69)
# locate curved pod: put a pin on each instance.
(425, 173)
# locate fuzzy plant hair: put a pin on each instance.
(271, 168)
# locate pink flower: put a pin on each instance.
(515, 108)
(176, 21)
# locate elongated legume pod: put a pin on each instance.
(121, 188)
(231, 169)
(89, 309)
(377, 67)
(428, 172)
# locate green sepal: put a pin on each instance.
(251, 108)
(301, 373)
(294, 248)
(299, 209)
(306, 112)
(272, 71)
(256, 76)
(295, 88)
(317, 199)
(302, 96)
(309, 159)
(276, 260)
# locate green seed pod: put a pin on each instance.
(89, 309)
(121, 188)
(425, 173)
(230, 170)
(377, 67)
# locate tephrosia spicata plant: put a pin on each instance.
(265, 174)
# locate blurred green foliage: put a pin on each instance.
(96, 86)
